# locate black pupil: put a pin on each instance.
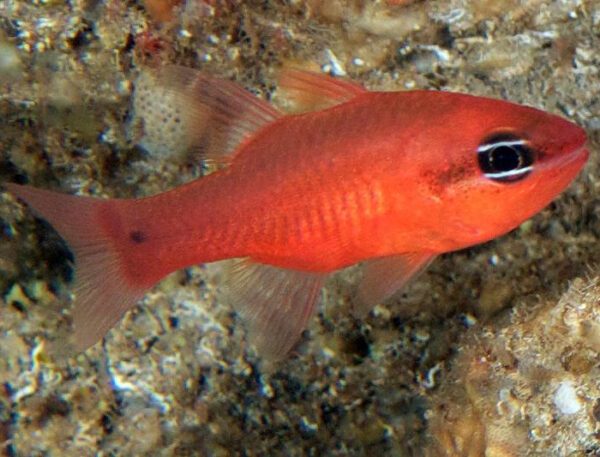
(505, 157)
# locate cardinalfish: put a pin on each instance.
(387, 179)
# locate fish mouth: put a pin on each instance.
(575, 159)
(562, 170)
(573, 150)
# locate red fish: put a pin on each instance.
(391, 179)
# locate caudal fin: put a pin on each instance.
(102, 293)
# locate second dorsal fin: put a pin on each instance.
(201, 112)
(309, 91)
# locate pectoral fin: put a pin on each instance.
(384, 276)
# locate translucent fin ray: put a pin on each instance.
(309, 91)
(101, 292)
(275, 304)
(384, 276)
(218, 115)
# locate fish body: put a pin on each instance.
(387, 178)
(322, 191)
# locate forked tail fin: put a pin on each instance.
(102, 291)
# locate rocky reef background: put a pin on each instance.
(492, 352)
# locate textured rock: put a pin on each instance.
(469, 360)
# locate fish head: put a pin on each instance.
(498, 164)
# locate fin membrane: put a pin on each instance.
(308, 91)
(384, 276)
(102, 294)
(275, 303)
(208, 114)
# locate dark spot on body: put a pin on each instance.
(454, 174)
(439, 181)
(137, 236)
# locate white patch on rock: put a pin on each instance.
(566, 400)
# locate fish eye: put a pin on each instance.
(504, 157)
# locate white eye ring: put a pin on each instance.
(505, 158)
(498, 144)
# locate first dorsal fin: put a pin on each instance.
(309, 91)
(184, 108)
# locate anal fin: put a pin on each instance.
(275, 304)
(384, 276)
